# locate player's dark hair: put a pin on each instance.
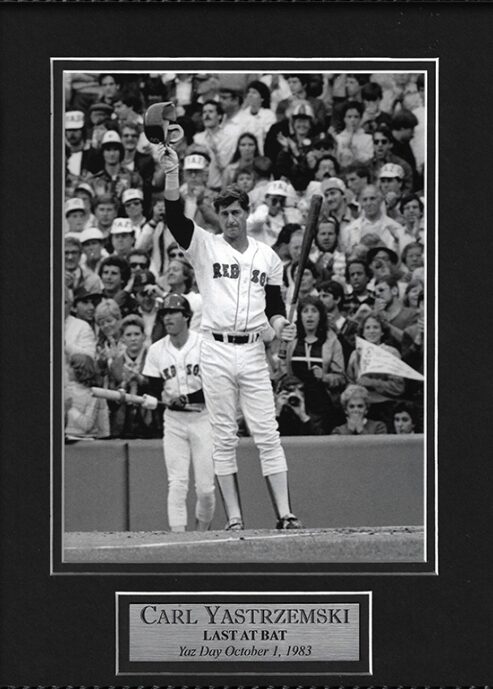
(352, 105)
(321, 332)
(118, 262)
(230, 195)
(84, 369)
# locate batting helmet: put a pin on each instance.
(176, 302)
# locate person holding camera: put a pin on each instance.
(291, 414)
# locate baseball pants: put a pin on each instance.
(233, 373)
(187, 436)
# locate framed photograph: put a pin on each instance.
(239, 423)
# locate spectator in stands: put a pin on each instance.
(79, 337)
(80, 158)
(109, 88)
(371, 94)
(100, 122)
(346, 88)
(384, 389)
(330, 258)
(390, 181)
(133, 204)
(108, 319)
(246, 150)
(414, 290)
(86, 416)
(105, 210)
(84, 191)
(357, 178)
(214, 141)
(77, 275)
(92, 243)
(198, 207)
(323, 166)
(85, 304)
(412, 259)
(179, 280)
(115, 274)
(354, 401)
(292, 160)
(382, 145)
(266, 222)
(331, 294)
(358, 276)
(125, 373)
(262, 170)
(387, 303)
(373, 220)
(126, 107)
(232, 125)
(143, 163)
(353, 144)
(122, 236)
(113, 177)
(257, 115)
(405, 418)
(412, 212)
(335, 204)
(315, 357)
(299, 85)
(149, 298)
(245, 179)
(75, 215)
(402, 127)
(291, 412)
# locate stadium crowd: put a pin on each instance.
(356, 139)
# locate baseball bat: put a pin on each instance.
(308, 237)
(127, 398)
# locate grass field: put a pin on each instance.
(364, 544)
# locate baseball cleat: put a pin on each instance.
(234, 524)
(289, 521)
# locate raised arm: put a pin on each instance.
(180, 227)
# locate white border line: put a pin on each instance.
(133, 594)
(255, 61)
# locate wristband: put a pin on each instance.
(172, 182)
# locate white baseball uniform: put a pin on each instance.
(187, 434)
(232, 285)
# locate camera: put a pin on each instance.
(294, 401)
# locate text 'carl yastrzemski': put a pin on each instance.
(217, 614)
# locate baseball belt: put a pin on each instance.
(232, 338)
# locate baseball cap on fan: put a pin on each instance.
(194, 162)
(333, 183)
(74, 119)
(111, 138)
(74, 204)
(91, 234)
(277, 188)
(132, 195)
(121, 226)
(142, 279)
(391, 170)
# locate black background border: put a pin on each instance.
(427, 630)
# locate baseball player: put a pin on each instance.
(173, 369)
(240, 283)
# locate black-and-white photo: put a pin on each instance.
(247, 265)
